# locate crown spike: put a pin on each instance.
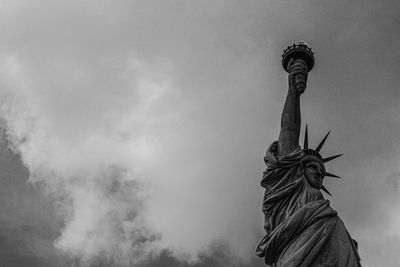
(325, 190)
(322, 142)
(331, 158)
(306, 139)
(331, 175)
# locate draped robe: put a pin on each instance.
(301, 227)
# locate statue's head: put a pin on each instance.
(314, 170)
(314, 165)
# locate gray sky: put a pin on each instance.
(144, 124)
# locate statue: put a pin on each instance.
(301, 227)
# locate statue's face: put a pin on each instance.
(314, 172)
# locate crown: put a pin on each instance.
(315, 153)
(298, 50)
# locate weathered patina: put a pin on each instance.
(301, 227)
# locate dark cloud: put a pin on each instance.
(28, 222)
(217, 254)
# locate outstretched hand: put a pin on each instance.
(298, 73)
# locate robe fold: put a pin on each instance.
(301, 227)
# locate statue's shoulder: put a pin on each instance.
(271, 155)
(278, 166)
(272, 159)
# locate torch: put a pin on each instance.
(298, 51)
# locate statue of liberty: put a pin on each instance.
(301, 227)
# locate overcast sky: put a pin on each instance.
(143, 125)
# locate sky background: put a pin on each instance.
(137, 129)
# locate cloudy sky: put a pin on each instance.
(137, 129)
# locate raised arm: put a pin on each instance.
(291, 118)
